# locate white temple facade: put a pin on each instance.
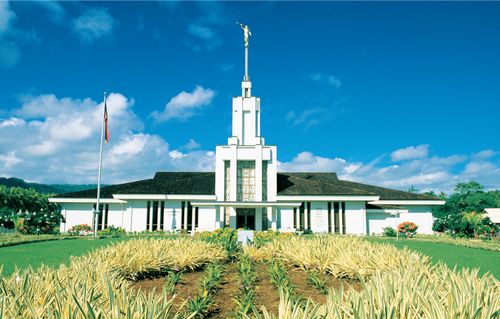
(247, 191)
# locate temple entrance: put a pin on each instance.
(245, 218)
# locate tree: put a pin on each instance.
(29, 210)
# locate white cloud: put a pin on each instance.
(424, 173)
(6, 16)
(309, 117)
(191, 145)
(54, 8)
(93, 24)
(52, 139)
(184, 105)
(201, 31)
(410, 152)
(332, 80)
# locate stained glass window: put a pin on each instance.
(246, 181)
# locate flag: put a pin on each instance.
(106, 128)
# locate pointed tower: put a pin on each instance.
(246, 168)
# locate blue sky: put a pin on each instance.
(394, 94)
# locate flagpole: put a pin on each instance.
(97, 210)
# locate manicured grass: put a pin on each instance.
(50, 253)
(452, 255)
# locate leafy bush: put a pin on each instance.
(408, 229)
(80, 230)
(29, 211)
(226, 237)
(389, 232)
(112, 231)
(263, 237)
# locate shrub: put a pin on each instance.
(263, 237)
(389, 232)
(112, 231)
(408, 229)
(226, 237)
(80, 230)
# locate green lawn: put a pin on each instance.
(452, 255)
(51, 253)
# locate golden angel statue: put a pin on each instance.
(246, 32)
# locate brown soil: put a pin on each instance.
(266, 294)
(334, 283)
(188, 287)
(228, 289)
(298, 277)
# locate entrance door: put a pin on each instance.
(245, 218)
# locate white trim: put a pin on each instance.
(164, 197)
(246, 204)
(408, 202)
(140, 196)
(387, 211)
(86, 200)
(328, 198)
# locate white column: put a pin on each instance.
(274, 224)
(193, 216)
(332, 217)
(131, 215)
(341, 220)
(185, 213)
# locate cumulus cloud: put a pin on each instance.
(56, 140)
(185, 104)
(329, 79)
(410, 152)
(93, 24)
(6, 16)
(425, 173)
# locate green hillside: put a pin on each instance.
(45, 188)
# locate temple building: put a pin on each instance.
(247, 191)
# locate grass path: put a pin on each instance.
(452, 255)
(50, 253)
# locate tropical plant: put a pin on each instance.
(389, 231)
(314, 279)
(98, 284)
(408, 229)
(112, 231)
(80, 230)
(227, 237)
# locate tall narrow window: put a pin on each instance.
(329, 217)
(295, 218)
(183, 220)
(196, 217)
(264, 181)
(148, 213)
(106, 212)
(102, 217)
(336, 217)
(343, 218)
(190, 220)
(308, 215)
(227, 180)
(155, 216)
(301, 216)
(162, 211)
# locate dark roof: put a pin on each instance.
(188, 183)
(203, 183)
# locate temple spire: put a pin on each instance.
(246, 35)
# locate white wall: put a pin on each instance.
(420, 215)
(355, 218)
(319, 217)
(285, 218)
(206, 218)
(172, 215)
(138, 214)
(76, 214)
